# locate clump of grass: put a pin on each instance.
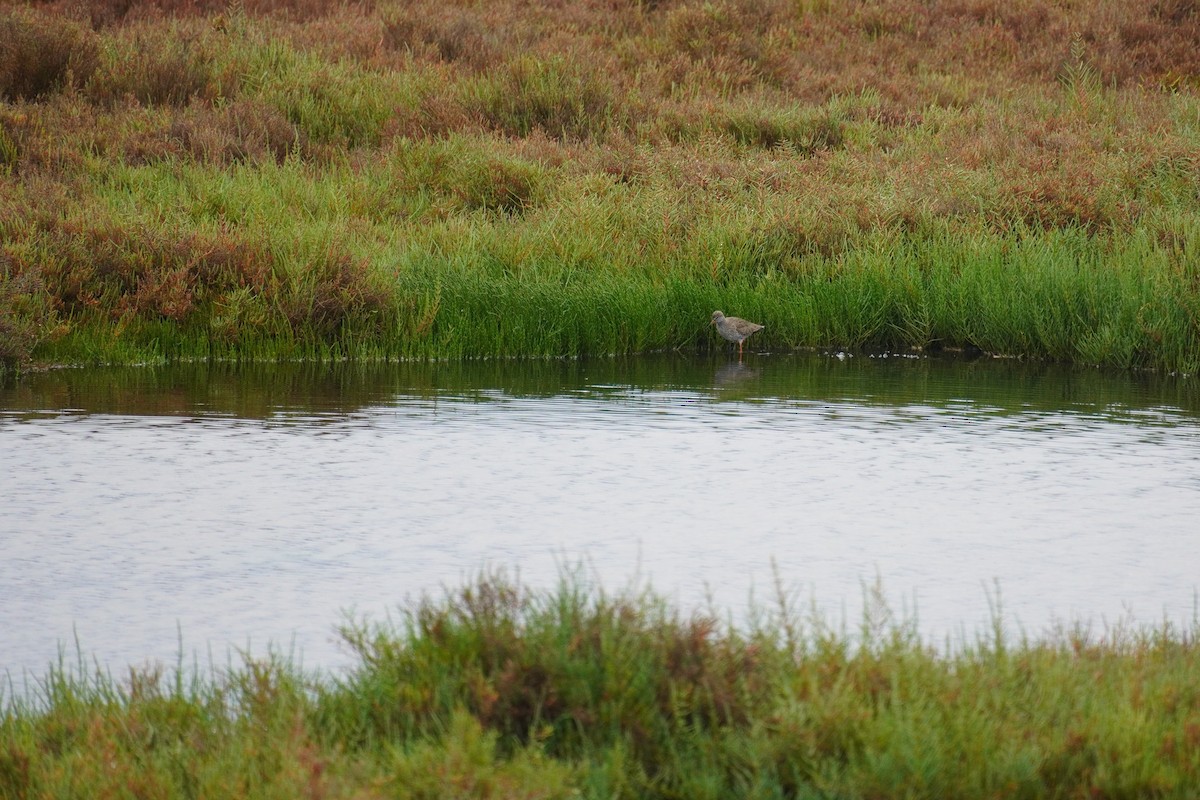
(10, 155)
(126, 271)
(333, 292)
(26, 317)
(466, 760)
(235, 132)
(730, 41)
(555, 96)
(507, 185)
(807, 133)
(570, 669)
(42, 53)
(464, 178)
(328, 103)
(445, 33)
(208, 288)
(155, 68)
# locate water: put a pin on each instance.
(256, 507)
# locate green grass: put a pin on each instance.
(283, 179)
(496, 690)
(512, 290)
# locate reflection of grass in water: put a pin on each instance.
(495, 690)
(258, 389)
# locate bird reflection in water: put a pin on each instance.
(733, 374)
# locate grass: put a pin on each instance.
(1058, 296)
(425, 180)
(496, 690)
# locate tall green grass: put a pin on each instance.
(497, 690)
(524, 289)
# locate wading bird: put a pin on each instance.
(735, 329)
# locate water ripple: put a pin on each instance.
(127, 527)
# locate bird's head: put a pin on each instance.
(717, 317)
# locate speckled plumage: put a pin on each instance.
(734, 329)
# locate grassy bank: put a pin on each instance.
(292, 179)
(496, 691)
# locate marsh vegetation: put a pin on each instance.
(283, 178)
(496, 691)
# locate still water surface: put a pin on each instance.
(244, 507)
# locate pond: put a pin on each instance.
(219, 507)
